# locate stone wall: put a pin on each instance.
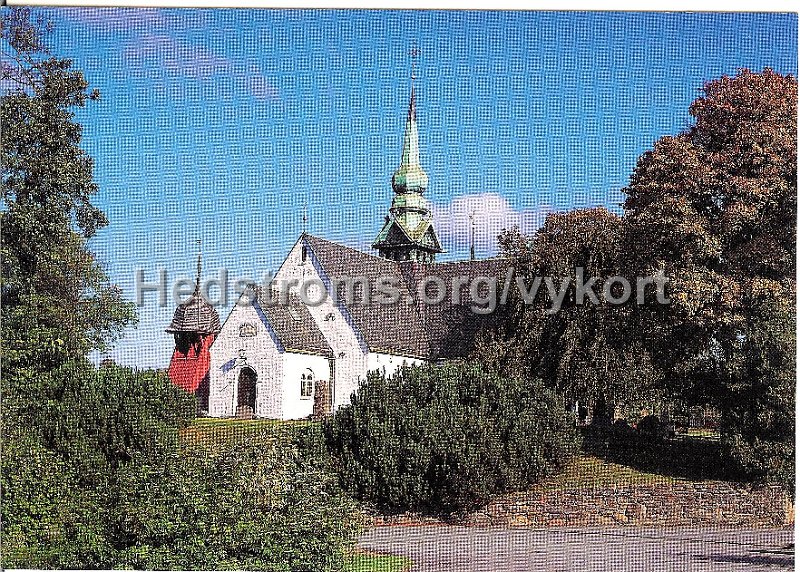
(707, 503)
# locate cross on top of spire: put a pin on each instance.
(414, 52)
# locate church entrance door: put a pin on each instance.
(246, 394)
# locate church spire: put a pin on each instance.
(409, 176)
(408, 232)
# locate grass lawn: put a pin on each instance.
(590, 471)
(362, 561)
(703, 433)
(208, 431)
(698, 456)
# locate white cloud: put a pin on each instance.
(115, 19)
(162, 52)
(492, 213)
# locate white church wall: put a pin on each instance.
(350, 367)
(389, 362)
(295, 406)
(258, 352)
(350, 358)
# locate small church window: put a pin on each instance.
(307, 384)
(303, 253)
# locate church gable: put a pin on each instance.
(288, 324)
(393, 235)
(427, 237)
(246, 364)
(246, 326)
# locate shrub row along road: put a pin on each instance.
(451, 549)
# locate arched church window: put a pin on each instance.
(307, 384)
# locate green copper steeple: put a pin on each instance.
(408, 232)
(409, 176)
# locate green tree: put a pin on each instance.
(57, 301)
(758, 421)
(93, 473)
(446, 438)
(582, 348)
(714, 208)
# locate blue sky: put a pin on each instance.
(225, 124)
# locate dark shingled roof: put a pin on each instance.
(452, 325)
(411, 327)
(391, 328)
(294, 325)
(195, 315)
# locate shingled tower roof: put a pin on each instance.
(196, 314)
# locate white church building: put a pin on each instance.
(279, 356)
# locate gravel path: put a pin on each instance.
(462, 549)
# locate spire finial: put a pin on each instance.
(305, 218)
(414, 53)
(199, 266)
(472, 235)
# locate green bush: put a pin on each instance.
(758, 436)
(651, 427)
(48, 519)
(98, 479)
(762, 460)
(65, 443)
(446, 438)
(263, 505)
(106, 417)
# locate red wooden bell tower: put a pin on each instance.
(194, 326)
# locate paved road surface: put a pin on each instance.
(460, 549)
